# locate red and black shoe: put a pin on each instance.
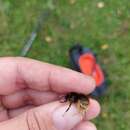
(84, 60)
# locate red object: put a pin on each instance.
(88, 66)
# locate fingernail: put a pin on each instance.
(66, 120)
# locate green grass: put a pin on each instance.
(81, 22)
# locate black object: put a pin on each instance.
(75, 53)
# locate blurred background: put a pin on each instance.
(103, 26)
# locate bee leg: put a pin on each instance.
(84, 108)
(78, 108)
(68, 108)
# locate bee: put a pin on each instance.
(81, 101)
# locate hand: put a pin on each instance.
(29, 96)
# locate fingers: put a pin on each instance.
(50, 116)
(35, 98)
(22, 75)
(28, 96)
(15, 112)
(86, 125)
(93, 110)
(26, 73)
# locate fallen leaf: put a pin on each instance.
(72, 2)
(100, 5)
(48, 39)
(104, 46)
(104, 115)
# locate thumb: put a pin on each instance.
(51, 116)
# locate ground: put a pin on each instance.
(103, 26)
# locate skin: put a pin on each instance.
(28, 85)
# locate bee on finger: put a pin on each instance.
(81, 101)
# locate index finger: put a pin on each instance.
(21, 73)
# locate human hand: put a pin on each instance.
(29, 96)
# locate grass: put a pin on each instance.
(77, 21)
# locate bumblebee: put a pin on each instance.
(81, 101)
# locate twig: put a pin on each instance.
(40, 23)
